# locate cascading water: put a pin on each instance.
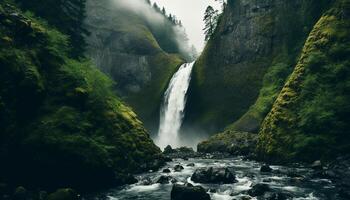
(172, 111)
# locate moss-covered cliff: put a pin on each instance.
(61, 124)
(245, 63)
(138, 48)
(310, 118)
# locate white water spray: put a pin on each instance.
(172, 111)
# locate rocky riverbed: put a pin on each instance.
(229, 179)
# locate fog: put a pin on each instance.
(191, 13)
(140, 7)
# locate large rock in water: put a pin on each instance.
(188, 192)
(214, 175)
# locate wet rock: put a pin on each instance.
(64, 194)
(317, 165)
(211, 175)
(174, 180)
(190, 165)
(167, 170)
(20, 193)
(258, 190)
(265, 168)
(178, 168)
(212, 190)
(187, 192)
(146, 181)
(274, 196)
(164, 179)
(168, 150)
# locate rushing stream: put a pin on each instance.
(282, 179)
(172, 111)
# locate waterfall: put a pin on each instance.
(173, 107)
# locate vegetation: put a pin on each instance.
(311, 112)
(66, 15)
(61, 123)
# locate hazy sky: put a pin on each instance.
(190, 12)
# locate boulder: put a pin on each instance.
(188, 192)
(259, 190)
(168, 149)
(64, 194)
(211, 175)
(190, 165)
(146, 181)
(164, 179)
(167, 170)
(265, 168)
(178, 168)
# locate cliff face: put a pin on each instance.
(61, 124)
(247, 61)
(140, 54)
(310, 118)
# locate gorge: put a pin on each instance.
(103, 100)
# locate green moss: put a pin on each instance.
(63, 121)
(147, 102)
(310, 114)
(235, 84)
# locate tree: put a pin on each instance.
(163, 11)
(66, 15)
(210, 21)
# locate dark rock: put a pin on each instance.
(212, 190)
(182, 192)
(167, 170)
(211, 175)
(265, 168)
(164, 179)
(258, 190)
(146, 181)
(317, 165)
(168, 150)
(190, 165)
(20, 193)
(64, 194)
(185, 158)
(274, 196)
(178, 168)
(173, 180)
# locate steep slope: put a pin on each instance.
(310, 118)
(138, 48)
(247, 60)
(61, 125)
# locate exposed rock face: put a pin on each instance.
(188, 192)
(252, 37)
(214, 175)
(123, 46)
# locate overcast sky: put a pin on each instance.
(190, 12)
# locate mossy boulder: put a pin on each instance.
(61, 123)
(310, 118)
(63, 194)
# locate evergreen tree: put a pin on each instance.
(210, 20)
(66, 15)
(163, 11)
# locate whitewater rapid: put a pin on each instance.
(173, 107)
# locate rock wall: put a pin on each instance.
(122, 45)
(253, 38)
